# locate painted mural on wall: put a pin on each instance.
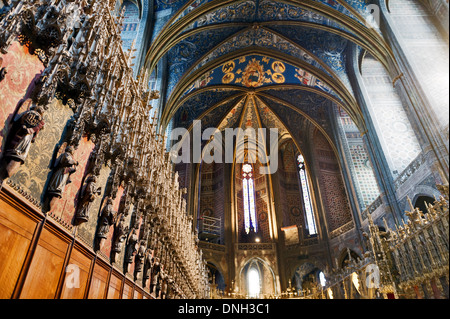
(311, 104)
(33, 174)
(87, 230)
(330, 51)
(269, 119)
(240, 11)
(290, 195)
(334, 196)
(232, 118)
(22, 69)
(64, 207)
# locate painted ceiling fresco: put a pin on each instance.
(256, 71)
(264, 38)
(290, 52)
(170, 12)
(261, 11)
(263, 111)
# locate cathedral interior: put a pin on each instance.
(224, 149)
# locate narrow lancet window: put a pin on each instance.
(311, 224)
(249, 199)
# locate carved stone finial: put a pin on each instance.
(154, 95)
(444, 190)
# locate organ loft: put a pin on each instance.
(224, 149)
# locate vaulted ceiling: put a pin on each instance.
(288, 59)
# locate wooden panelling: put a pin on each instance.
(138, 294)
(115, 285)
(16, 233)
(46, 267)
(98, 282)
(35, 262)
(127, 291)
(77, 275)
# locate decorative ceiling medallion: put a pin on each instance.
(228, 78)
(228, 67)
(263, 217)
(278, 67)
(254, 75)
(278, 78)
(295, 211)
(256, 72)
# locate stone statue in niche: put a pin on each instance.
(139, 259)
(119, 237)
(89, 193)
(3, 71)
(159, 281)
(164, 284)
(155, 276)
(131, 249)
(106, 219)
(23, 131)
(148, 265)
(64, 166)
(170, 288)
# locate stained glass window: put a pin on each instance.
(254, 283)
(311, 224)
(322, 278)
(249, 199)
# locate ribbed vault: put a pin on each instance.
(219, 52)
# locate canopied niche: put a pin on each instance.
(307, 277)
(257, 279)
(216, 277)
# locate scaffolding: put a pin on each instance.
(210, 228)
